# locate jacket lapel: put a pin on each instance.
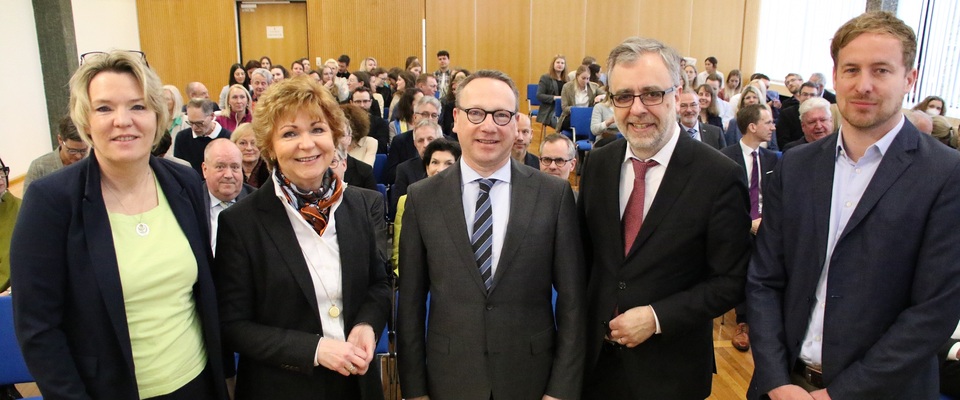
(608, 183)
(454, 219)
(824, 166)
(349, 237)
(276, 225)
(524, 195)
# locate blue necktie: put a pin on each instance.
(693, 133)
(482, 238)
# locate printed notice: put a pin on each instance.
(275, 32)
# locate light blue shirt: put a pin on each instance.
(850, 181)
(499, 203)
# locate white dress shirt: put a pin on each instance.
(850, 180)
(653, 179)
(748, 161)
(216, 207)
(499, 203)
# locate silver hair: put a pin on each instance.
(814, 103)
(427, 100)
(632, 48)
(264, 73)
(556, 137)
(429, 124)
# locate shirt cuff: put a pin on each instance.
(952, 354)
(316, 354)
(655, 319)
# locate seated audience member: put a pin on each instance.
(402, 118)
(427, 83)
(733, 87)
(933, 105)
(756, 125)
(176, 108)
(238, 109)
(384, 89)
(296, 69)
(689, 113)
(317, 76)
(197, 90)
(522, 143)
(379, 129)
(788, 126)
(353, 172)
(255, 170)
(409, 62)
(558, 156)
(402, 148)
(70, 149)
(415, 68)
(602, 123)
(402, 80)
(306, 63)
(586, 62)
(548, 90)
(921, 120)
(250, 66)
(9, 208)
(343, 66)
(949, 357)
(266, 63)
(223, 181)
(260, 80)
(439, 155)
(579, 92)
(820, 80)
(724, 108)
(709, 68)
(690, 77)
(203, 129)
(238, 76)
(750, 95)
(412, 170)
(709, 109)
(793, 83)
(368, 64)
(162, 150)
(356, 141)
(363, 80)
(816, 122)
(449, 101)
(943, 131)
(279, 73)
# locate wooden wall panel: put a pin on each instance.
(189, 41)
(609, 23)
(558, 27)
(717, 31)
(667, 21)
(751, 30)
(503, 39)
(253, 33)
(388, 30)
(451, 26)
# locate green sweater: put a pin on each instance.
(9, 208)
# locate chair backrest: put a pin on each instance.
(12, 368)
(580, 123)
(557, 109)
(532, 94)
(378, 164)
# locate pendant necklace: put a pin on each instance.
(142, 228)
(333, 311)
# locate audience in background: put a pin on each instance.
(548, 90)
(238, 109)
(9, 209)
(70, 149)
(933, 105)
(255, 170)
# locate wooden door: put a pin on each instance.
(278, 31)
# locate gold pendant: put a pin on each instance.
(334, 311)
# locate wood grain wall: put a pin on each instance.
(517, 36)
(282, 51)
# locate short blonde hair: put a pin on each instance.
(283, 101)
(242, 130)
(117, 61)
(177, 101)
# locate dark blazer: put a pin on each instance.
(506, 344)
(380, 130)
(709, 135)
(247, 189)
(788, 126)
(546, 89)
(893, 283)
(531, 161)
(768, 160)
(688, 262)
(408, 173)
(949, 370)
(68, 303)
(268, 305)
(359, 174)
(401, 149)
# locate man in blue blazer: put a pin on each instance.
(854, 284)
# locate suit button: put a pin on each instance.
(622, 285)
(489, 307)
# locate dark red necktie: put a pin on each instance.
(633, 214)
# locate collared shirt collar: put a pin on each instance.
(881, 145)
(214, 201)
(666, 152)
(468, 174)
(213, 135)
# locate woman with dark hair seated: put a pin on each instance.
(449, 102)
(402, 118)
(238, 76)
(709, 109)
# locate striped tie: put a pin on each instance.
(482, 238)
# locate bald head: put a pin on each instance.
(197, 90)
(222, 169)
(921, 120)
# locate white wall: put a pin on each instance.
(103, 25)
(24, 132)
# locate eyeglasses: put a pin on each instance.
(196, 124)
(653, 98)
(94, 54)
(74, 152)
(335, 162)
(367, 101)
(545, 161)
(427, 114)
(477, 115)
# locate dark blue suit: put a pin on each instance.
(893, 282)
(68, 300)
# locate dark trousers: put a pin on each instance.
(950, 378)
(609, 379)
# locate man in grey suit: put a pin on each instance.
(689, 110)
(489, 239)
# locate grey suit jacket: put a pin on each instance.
(506, 343)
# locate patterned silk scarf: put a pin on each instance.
(314, 205)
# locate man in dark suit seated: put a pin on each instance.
(489, 240)
(665, 226)
(691, 125)
(819, 80)
(223, 181)
(788, 126)
(192, 141)
(816, 122)
(520, 152)
(854, 283)
(379, 129)
(402, 147)
(756, 125)
(413, 170)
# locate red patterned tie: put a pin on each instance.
(633, 214)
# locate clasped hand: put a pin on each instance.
(633, 327)
(350, 357)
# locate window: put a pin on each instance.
(794, 36)
(938, 51)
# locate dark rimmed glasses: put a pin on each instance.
(546, 161)
(651, 98)
(477, 115)
(94, 54)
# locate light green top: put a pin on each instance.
(157, 272)
(401, 203)
(9, 208)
